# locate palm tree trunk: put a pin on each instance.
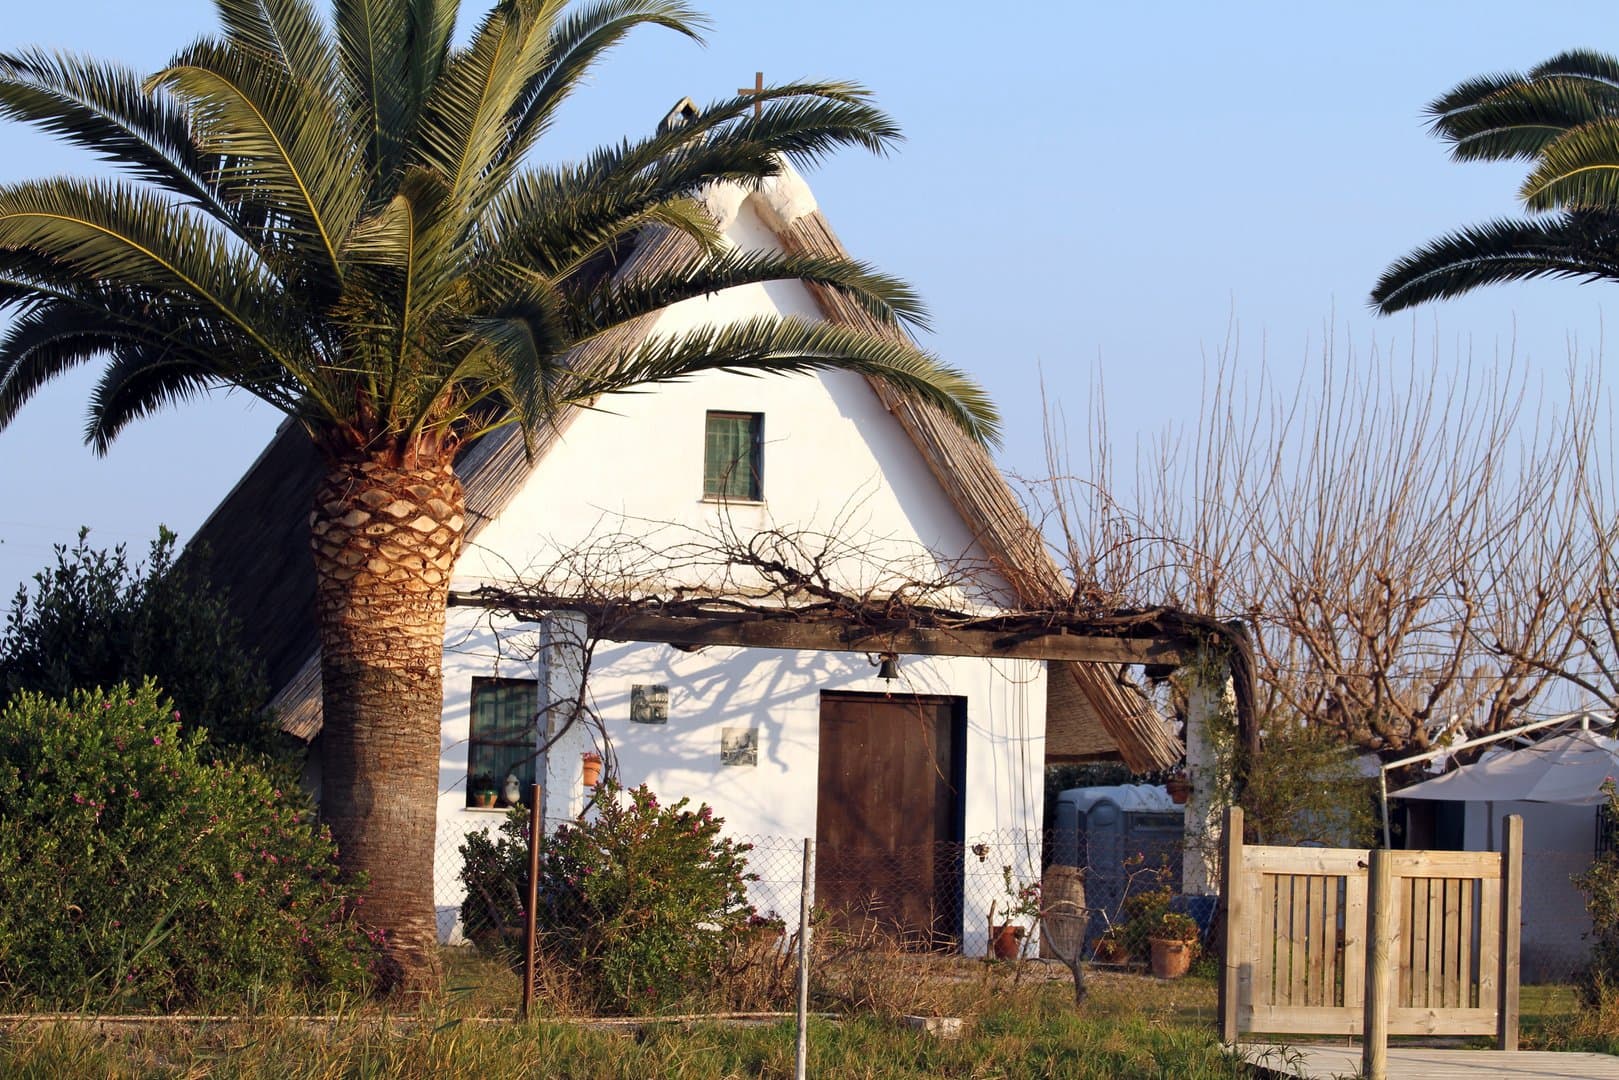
(385, 540)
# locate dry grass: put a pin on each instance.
(1025, 1028)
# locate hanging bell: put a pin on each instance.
(888, 668)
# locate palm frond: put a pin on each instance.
(1581, 246)
(83, 237)
(767, 345)
(1599, 69)
(886, 299)
(105, 109)
(802, 121)
(466, 117)
(1520, 122)
(1578, 170)
(287, 32)
(576, 43)
(1497, 117)
(282, 145)
(390, 53)
(142, 378)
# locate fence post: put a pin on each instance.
(1231, 891)
(1375, 1027)
(806, 900)
(1506, 1031)
(536, 824)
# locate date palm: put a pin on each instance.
(1563, 118)
(346, 221)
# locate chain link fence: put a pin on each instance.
(926, 909)
(995, 895)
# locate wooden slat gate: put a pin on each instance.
(1301, 924)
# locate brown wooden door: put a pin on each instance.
(888, 822)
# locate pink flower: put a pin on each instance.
(240, 877)
(157, 740)
(176, 715)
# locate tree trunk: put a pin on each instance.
(385, 541)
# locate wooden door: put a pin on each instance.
(889, 817)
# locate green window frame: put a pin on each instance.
(733, 456)
(502, 738)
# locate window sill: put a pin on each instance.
(721, 500)
(487, 809)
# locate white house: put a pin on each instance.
(782, 744)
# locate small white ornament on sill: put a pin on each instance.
(512, 792)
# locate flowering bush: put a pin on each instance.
(1022, 901)
(638, 903)
(132, 873)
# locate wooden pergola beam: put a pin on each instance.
(1008, 642)
(910, 641)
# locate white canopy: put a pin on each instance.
(1568, 769)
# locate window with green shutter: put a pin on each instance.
(733, 453)
(503, 740)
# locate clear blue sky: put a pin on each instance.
(1085, 187)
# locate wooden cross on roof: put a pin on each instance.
(756, 91)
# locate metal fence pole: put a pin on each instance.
(806, 899)
(536, 819)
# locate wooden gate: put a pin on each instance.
(1302, 925)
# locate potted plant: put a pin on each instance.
(483, 791)
(1179, 788)
(1006, 939)
(766, 929)
(1110, 947)
(1173, 939)
(590, 768)
(1021, 901)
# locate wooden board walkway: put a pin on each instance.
(1428, 1063)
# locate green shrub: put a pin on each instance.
(638, 903)
(1139, 918)
(95, 620)
(1600, 884)
(134, 874)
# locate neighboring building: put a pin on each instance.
(1552, 778)
(782, 744)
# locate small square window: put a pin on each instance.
(502, 746)
(733, 456)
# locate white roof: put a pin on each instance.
(1131, 798)
(1568, 769)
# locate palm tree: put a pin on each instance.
(344, 221)
(1563, 117)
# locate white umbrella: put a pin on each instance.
(1568, 769)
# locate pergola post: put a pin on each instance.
(563, 635)
(1210, 694)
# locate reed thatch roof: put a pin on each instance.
(260, 547)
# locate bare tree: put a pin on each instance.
(1409, 547)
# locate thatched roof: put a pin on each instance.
(259, 542)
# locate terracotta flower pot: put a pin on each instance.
(1111, 951)
(591, 769)
(483, 800)
(1006, 941)
(1179, 788)
(1170, 959)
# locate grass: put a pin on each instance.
(1020, 1022)
(1131, 1027)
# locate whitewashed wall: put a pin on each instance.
(836, 463)
(778, 693)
